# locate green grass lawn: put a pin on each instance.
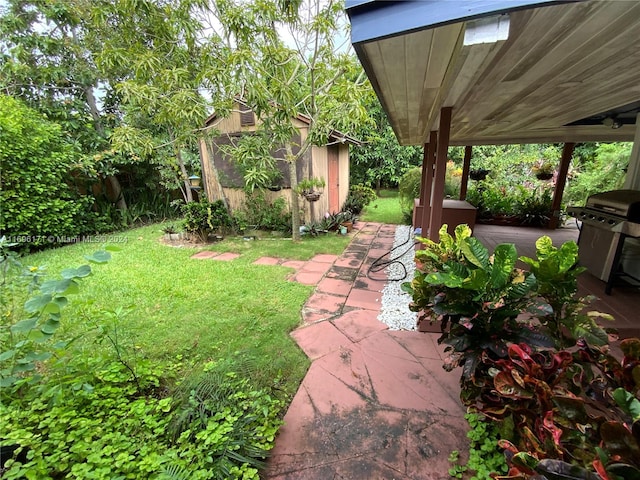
(196, 310)
(386, 209)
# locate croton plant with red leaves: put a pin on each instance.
(533, 356)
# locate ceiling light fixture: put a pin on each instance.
(612, 122)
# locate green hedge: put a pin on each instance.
(38, 206)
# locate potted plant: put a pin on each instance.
(478, 174)
(311, 188)
(543, 170)
(346, 219)
(171, 232)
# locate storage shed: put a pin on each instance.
(222, 179)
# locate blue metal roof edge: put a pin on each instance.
(373, 20)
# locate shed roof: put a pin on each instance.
(334, 135)
(513, 71)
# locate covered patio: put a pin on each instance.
(501, 72)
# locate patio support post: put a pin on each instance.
(423, 177)
(632, 180)
(437, 195)
(427, 182)
(565, 161)
(466, 166)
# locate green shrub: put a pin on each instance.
(36, 163)
(359, 197)
(264, 215)
(202, 218)
(452, 180)
(408, 190)
(606, 171)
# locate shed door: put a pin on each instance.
(334, 179)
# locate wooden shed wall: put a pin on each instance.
(222, 183)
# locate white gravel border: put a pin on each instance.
(394, 310)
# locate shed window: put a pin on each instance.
(247, 118)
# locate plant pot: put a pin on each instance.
(478, 174)
(347, 225)
(544, 176)
(312, 197)
(274, 188)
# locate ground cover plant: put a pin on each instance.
(533, 357)
(161, 366)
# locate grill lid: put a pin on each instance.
(624, 203)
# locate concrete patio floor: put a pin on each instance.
(375, 404)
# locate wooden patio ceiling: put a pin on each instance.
(560, 63)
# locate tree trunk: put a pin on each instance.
(93, 108)
(116, 190)
(187, 184)
(112, 180)
(186, 192)
(295, 199)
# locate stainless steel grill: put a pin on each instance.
(608, 220)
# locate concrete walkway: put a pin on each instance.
(375, 404)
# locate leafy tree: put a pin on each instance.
(47, 61)
(309, 75)
(66, 58)
(381, 160)
(152, 53)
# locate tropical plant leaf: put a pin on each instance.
(24, 325)
(446, 240)
(631, 348)
(534, 338)
(618, 440)
(526, 461)
(544, 247)
(504, 260)
(585, 327)
(35, 304)
(471, 361)
(529, 261)
(99, 257)
(80, 272)
(521, 289)
(457, 268)
(625, 471)
(567, 256)
(462, 231)
(558, 470)
(477, 280)
(540, 308)
(628, 402)
(475, 252)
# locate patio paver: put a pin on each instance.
(226, 257)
